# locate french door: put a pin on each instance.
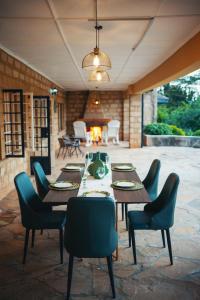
(41, 132)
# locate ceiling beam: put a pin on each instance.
(185, 60)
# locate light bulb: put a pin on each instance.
(99, 76)
(96, 61)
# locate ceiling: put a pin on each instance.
(53, 36)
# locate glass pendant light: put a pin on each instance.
(96, 58)
(99, 76)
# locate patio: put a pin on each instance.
(152, 278)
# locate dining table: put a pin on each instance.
(140, 196)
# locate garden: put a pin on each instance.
(180, 116)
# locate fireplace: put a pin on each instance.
(96, 134)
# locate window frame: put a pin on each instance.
(21, 123)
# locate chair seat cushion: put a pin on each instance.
(139, 219)
(49, 220)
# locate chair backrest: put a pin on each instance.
(41, 180)
(113, 128)
(90, 229)
(61, 142)
(102, 156)
(162, 209)
(79, 129)
(27, 197)
(151, 180)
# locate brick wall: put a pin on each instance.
(16, 75)
(111, 102)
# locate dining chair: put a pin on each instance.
(65, 145)
(41, 180)
(150, 183)
(157, 215)
(90, 232)
(35, 214)
(103, 156)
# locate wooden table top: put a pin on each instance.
(62, 197)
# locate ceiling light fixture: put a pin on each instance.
(97, 58)
(99, 75)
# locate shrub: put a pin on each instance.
(196, 133)
(158, 129)
(176, 130)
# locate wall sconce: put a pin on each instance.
(54, 92)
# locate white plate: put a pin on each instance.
(96, 194)
(123, 167)
(125, 184)
(72, 168)
(62, 185)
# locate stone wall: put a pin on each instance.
(169, 140)
(111, 102)
(16, 75)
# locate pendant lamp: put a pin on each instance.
(96, 58)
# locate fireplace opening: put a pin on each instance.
(96, 134)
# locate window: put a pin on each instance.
(60, 116)
(13, 123)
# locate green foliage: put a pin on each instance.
(158, 129)
(178, 95)
(176, 130)
(185, 116)
(196, 133)
(162, 114)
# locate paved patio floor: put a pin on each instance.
(152, 278)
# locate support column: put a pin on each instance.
(135, 119)
(126, 118)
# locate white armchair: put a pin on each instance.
(111, 132)
(80, 132)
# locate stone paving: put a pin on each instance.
(153, 278)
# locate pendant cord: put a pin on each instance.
(97, 38)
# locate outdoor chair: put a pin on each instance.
(65, 146)
(157, 215)
(75, 146)
(111, 132)
(150, 183)
(90, 232)
(80, 132)
(34, 214)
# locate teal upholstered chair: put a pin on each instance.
(41, 180)
(35, 214)
(157, 215)
(90, 232)
(150, 183)
(102, 156)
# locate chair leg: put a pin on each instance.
(110, 271)
(163, 237)
(122, 211)
(65, 153)
(61, 245)
(126, 215)
(69, 280)
(169, 246)
(58, 152)
(76, 151)
(25, 245)
(133, 245)
(129, 237)
(33, 238)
